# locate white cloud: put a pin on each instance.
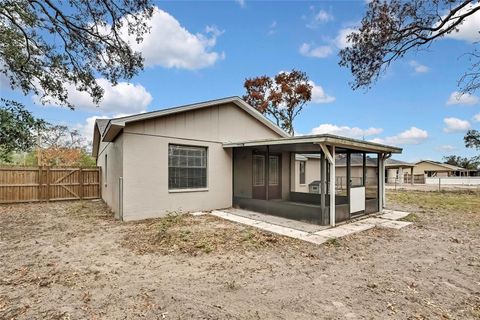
(462, 98)
(316, 18)
(469, 29)
(476, 117)
(446, 148)
(319, 95)
(241, 3)
(122, 98)
(323, 16)
(86, 128)
(309, 50)
(170, 45)
(413, 135)
(4, 82)
(323, 51)
(341, 40)
(418, 67)
(353, 132)
(455, 125)
(272, 28)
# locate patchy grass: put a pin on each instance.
(447, 201)
(333, 242)
(183, 233)
(412, 217)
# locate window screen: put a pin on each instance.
(273, 171)
(258, 170)
(187, 167)
(302, 172)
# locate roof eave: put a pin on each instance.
(327, 139)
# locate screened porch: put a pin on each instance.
(298, 178)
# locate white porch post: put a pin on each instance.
(383, 157)
(332, 188)
(331, 160)
(381, 182)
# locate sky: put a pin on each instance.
(199, 51)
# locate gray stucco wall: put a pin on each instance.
(111, 172)
(145, 159)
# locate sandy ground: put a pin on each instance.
(71, 260)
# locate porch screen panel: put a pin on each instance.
(302, 165)
(258, 170)
(187, 167)
(273, 171)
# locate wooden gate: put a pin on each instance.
(22, 184)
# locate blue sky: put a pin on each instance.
(204, 50)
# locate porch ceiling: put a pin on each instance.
(310, 143)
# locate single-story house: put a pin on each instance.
(431, 168)
(223, 153)
(401, 172)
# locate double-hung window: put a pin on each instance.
(187, 167)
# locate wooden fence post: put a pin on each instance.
(40, 184)
(80, 178)
(48, 183)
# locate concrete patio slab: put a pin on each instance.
(394, 224)
(315, 239)
(393, 214)
(289, 223)
(308, 232)
(358, 227)
(335, 232)
(198, 213)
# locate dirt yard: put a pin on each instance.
(71, 260)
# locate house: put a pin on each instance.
(430, 168)
(401, 172)
(220, 154)
(396, 171)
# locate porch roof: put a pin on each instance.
(327, 139)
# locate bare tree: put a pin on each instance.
(390, 29)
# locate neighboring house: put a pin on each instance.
(220, 154)
(401, 172)
(437, 169)
(308, 168)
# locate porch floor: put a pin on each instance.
(280, 221)
(310, 232)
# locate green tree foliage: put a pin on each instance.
(281, 97)
(390, 29)
(46, 46)
(470, 164)
(18, 129)
(472, 139)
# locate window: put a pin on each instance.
(187, 167)
(302, 171)
(106, 170)
(258, 170)
(273, 170)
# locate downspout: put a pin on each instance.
(120, 198)
(385, 156)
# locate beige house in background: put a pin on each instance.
(437, 169)
(220, 154)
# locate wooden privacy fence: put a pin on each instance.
(22, 184)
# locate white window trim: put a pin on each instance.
(201, 189)
(187, 190)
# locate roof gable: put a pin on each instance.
(115, 125)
